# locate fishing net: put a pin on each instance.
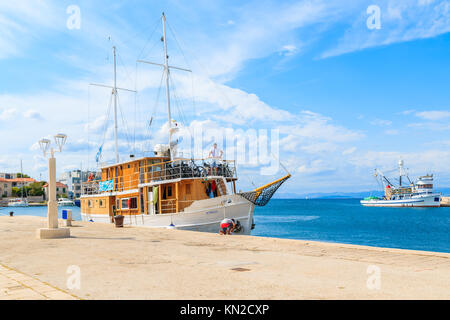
(261, 196)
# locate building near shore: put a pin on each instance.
(5, 188)
(7, 184)
(8, 175)
(74, 179)
(62, 190)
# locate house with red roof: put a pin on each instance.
(62, 191)
(6, 185)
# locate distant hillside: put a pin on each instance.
(341, 195)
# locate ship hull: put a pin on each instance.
(432, 200)
(203, 217)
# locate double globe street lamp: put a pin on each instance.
(52, 231)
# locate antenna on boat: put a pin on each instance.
(114, 93)
(167, 72)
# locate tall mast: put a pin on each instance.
(166, 69)
(167, 72)
(21, 173)
(114, 93)
(115, 106)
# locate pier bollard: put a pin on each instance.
(11, 213)
(118, 220)
(69, 218)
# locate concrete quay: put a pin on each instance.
(100, 261)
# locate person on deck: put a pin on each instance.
(215, 154)
(227, 226)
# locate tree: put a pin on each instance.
(20, 175)
(36, 189)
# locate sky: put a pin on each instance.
(347, 86)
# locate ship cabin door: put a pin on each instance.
(168, 198)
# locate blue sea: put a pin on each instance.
(341, 221)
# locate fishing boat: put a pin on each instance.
(414, 194)
(169, 191)
(18, 202)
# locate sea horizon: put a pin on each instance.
(336, 221)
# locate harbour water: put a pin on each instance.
(346, 221)
(337, 220)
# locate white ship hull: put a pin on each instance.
(18, 205)
(203, 216)
(429, 200)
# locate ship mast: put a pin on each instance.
(114, 92)
(166, 70)
(167, 74)
(21, 175)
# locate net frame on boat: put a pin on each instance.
(262, 195)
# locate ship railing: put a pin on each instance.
(187, 168)
(168, 206)
(90, 187)
(162, 171)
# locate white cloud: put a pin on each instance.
(349, 151)
(400, 21)
(8, 114)
(33, 114)
(20, 21)
(391, 132)
(434, 115)
(381, 122)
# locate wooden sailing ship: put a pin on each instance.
(168, 191)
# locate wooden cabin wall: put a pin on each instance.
(126, 212)
(98, 205)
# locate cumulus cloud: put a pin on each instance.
(33, 114)
(8, 114)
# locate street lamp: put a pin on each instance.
(52, 231)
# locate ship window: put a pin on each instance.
(133, 203)
(90, 203)
(129, 203)
(169, 191)
(102, 203)
(436, 199)
(124, 204)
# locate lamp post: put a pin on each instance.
(52, 231)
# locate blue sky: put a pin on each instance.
(345, 98)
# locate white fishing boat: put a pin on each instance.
(64, 202)
(167, 190)
(18, 202)
(415, 194)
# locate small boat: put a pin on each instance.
(64, 202)
(22, 201)
(18, 202)
(418, 194)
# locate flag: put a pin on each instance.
(99, 153)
